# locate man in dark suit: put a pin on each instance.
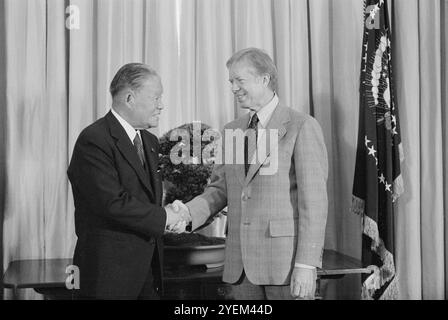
(117, 191)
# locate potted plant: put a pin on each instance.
(186, 172)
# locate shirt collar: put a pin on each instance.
(130, 131)
(265, 113)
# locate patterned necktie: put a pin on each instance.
(139, 147)
(249, 150)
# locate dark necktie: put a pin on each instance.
(249, 148)
(139, 147)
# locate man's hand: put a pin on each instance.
(303, 283)
(182, 209)
(172, 216)
(178, 217)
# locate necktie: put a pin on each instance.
(249, 149)
(139, 147)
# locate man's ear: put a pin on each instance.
(266, 79)
(129, 98)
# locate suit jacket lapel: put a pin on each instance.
(127, 149)
(152, 156)
(278, 121)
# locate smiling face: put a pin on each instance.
(250, 89)
(145, 104)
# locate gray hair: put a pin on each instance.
(131, 75)
(260, 61)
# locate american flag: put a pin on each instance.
(377, 181)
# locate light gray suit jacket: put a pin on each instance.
(274, 220)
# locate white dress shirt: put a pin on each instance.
(130, 131)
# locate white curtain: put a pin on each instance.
(421, 76)
(57, 83)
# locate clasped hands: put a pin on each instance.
(177, 217)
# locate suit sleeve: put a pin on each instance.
(214, 197)
(93, 174)
(311, 167)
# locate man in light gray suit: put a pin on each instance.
(276, 220)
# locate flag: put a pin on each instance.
(377, 182)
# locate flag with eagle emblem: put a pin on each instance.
(377, 181)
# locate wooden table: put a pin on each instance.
(47, 276)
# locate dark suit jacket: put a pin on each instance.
(119, 220)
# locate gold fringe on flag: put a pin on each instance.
(380, 276)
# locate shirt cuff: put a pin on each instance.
(300, 265)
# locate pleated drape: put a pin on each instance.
(56, 83)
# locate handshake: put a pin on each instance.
(177, 217)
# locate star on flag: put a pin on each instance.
(394, 119)
(394, 131)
